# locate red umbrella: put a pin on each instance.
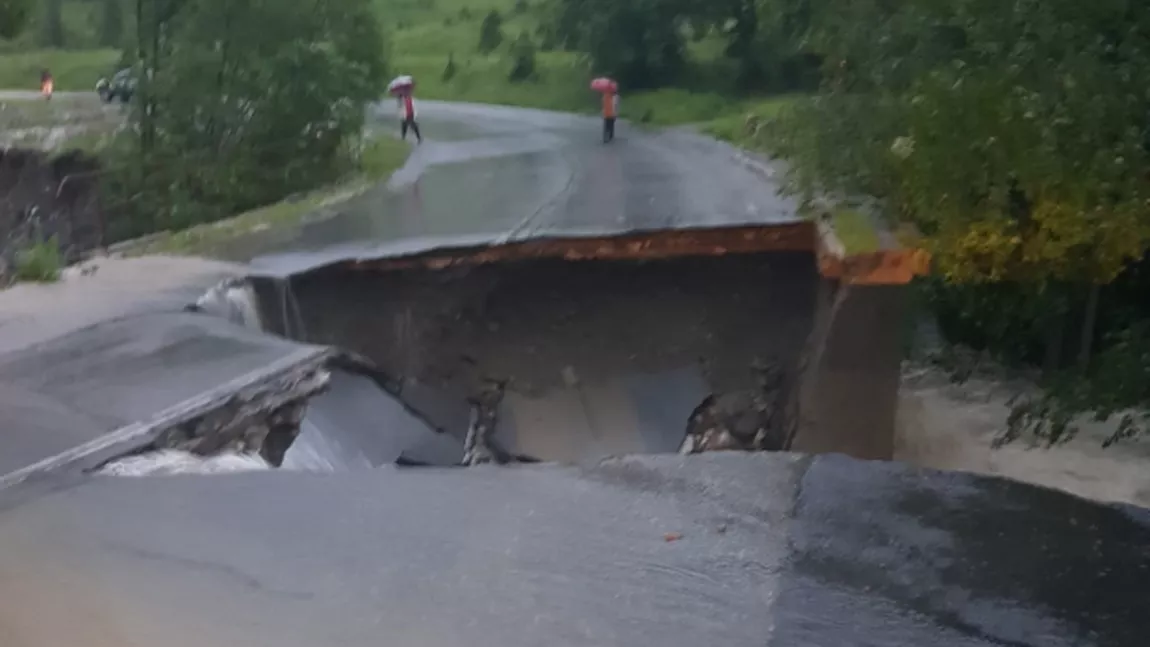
(604, 84)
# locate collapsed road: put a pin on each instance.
(441, 286)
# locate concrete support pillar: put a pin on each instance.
(849, 388)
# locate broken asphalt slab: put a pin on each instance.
(115, 387)
(719, 549)
(103, 361)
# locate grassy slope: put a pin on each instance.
(425, 32)
(75, 69)
(381, 157)
(422, 34)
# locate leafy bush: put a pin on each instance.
(40, 262)
(450, 69)
(251, 110)
(523, 59)
(14, 17)
(491, 32)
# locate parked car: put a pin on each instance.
(121, 86)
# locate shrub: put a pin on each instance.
(491, 32)
(523, 57)
(450, 69)
(40, 262)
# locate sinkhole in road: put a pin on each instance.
(551, 359)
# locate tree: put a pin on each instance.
(253, 101)
(1013, 135)
(112, 23)
(491, 32)
(639, 42)
(14, 17)
(53, 26)
(523, 57)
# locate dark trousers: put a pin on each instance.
(608, 128)
(410, 123)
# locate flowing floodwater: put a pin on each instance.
(343, 429)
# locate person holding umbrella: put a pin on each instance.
(609, 90)
(403, 87)
(46, 84)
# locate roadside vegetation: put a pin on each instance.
(380, 156)
(40, 263)
(1011, 138)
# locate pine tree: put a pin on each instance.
(491, 32)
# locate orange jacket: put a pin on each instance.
(610, 105)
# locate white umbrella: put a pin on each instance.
(401, 84)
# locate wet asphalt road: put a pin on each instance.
(496, 174)
(764, 550)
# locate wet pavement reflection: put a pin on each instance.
(765, 550)
(916, 557)
(487, 174)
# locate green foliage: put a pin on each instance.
(523, 59)
(14, 17)
(639, 42)
(112, 23)
(491, 32)
(450, 69)
(52, 27)
(250, 102)
(1012, 134)
(381, 156)
(71, 70)
(40, 262)
(768, 40)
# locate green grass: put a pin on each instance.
(72, 70)
(381, 156)
(855, 231)
(733, 126)
(39, 263)
(422, 35)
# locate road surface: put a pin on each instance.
(722, 549)
(488, 174)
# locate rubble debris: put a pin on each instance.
(747, 420)
(263, 422)
(598, 358)
(480, 447)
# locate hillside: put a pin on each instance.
(423, 35)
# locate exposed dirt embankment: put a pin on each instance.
(590, 358)
(44, 196)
